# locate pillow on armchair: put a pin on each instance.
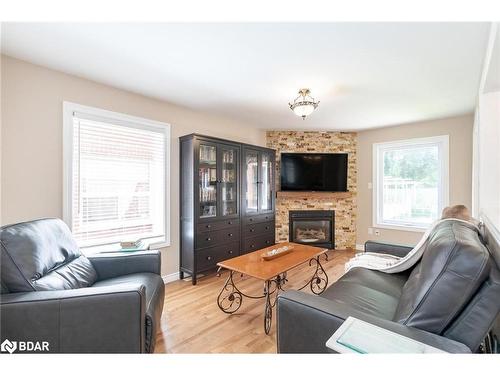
(42, 255)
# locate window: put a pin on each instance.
(116, 177)
(410, 182)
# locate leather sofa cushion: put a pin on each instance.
(474, 322)
(3, 288)
(42, 255)
(454, 265)
(155, 293)
(371, 292)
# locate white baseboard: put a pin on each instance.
(360, 247)
(171, 277)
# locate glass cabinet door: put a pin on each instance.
(266, 182)
(208, 180)
(229, 181)
(252, 182)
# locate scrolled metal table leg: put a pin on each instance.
(319, 281)
(268, 311)
(230, 298)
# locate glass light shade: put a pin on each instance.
(303, 109)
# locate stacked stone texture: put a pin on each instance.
(345, 208)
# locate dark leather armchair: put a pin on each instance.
(107, 303)
(449, 300)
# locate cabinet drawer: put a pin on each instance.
(256, 243)
(219, 237)
(258, 229)
(216, 225)
(208, 258)
(258, 219)
(230, 234)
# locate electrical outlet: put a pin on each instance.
(377, 232)
(370, 230)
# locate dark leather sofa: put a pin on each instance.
(449, 300)
(50, 291)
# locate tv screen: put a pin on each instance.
(313, 172)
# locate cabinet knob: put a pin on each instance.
(252, 230)
(209, 257)
(230, 234)
(250, 219)
(252, 246)
(268, 241)
(208, 226)
(230, 251)
(230, 223)
(267, 227)
(209, 239)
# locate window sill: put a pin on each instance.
(405, 228)
(149, 244)
(158, 244)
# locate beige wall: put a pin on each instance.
(31, 143)
(459, 130)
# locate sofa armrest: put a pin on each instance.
(305, 322)
(108, 265)
(387, 248)
(86, 320)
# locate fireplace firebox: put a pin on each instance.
(316, 228)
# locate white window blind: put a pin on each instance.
(117, 180)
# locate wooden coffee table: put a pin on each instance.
(272, 273)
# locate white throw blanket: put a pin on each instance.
(393, 264)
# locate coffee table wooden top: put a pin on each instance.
(252, 264)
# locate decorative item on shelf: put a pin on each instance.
(207, 154)
(208, 210)
(228, 157)
(228, 176)
(304, 104)
(213, 175)
(207, 195)
(275, 253)
(133, 245)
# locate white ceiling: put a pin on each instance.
(365, 74)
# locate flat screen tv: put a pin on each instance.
(313, 172)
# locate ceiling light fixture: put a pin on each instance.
(304, 104)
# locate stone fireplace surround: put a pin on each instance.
(345, 206)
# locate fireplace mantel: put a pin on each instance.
(312, 195)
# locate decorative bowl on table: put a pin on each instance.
(275, 253)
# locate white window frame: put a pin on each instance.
(69, 109)
(442, 142)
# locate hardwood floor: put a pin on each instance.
(192, 322)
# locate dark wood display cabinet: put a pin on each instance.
(227, 201)
(258, 198)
